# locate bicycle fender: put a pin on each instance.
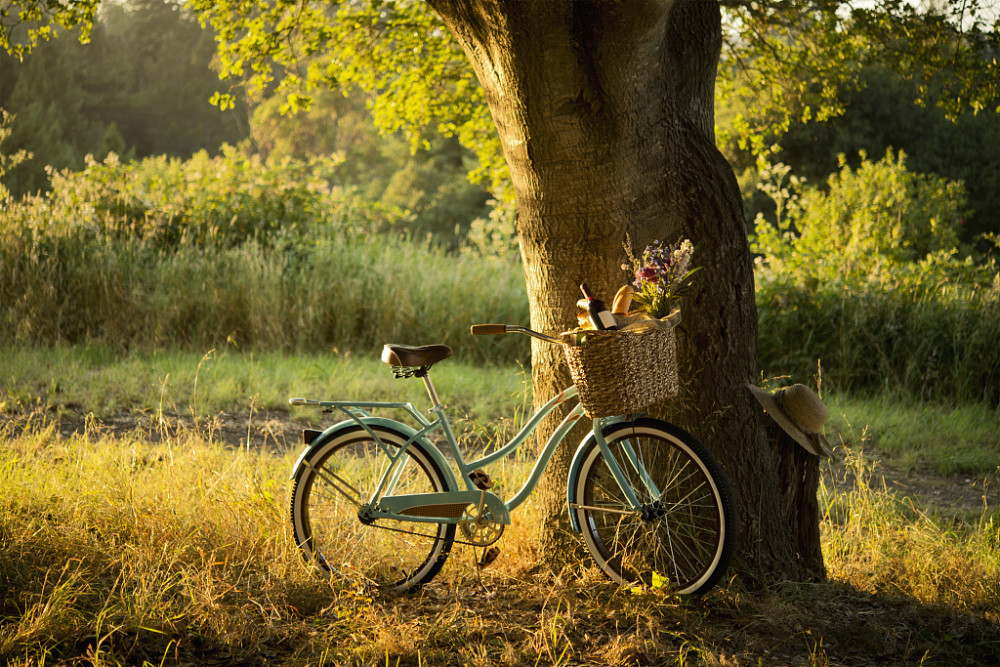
(402, 428)
(574, 466)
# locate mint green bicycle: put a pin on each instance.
(375, 502)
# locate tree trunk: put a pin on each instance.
(605, 111)
(798, 477)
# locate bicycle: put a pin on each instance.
(376, 502)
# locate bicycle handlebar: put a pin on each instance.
(495, 329)
(488, 329)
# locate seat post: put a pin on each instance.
(425, 376)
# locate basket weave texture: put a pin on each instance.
(619, 372)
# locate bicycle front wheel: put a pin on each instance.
(682, 536)
(339, 476)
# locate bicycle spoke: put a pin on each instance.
(677, 537)
(339, 481)
(676, 550)
(611, 510)
(336, 483)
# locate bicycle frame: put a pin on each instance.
(383, 504)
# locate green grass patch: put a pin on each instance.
(914, 435)
(487, 399)
(94, 379)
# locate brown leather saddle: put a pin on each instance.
(409, 356)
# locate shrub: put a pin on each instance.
(881, 224)
(868, 278)
(205, 201)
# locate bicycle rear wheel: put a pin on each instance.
(339, 475)
(682, 537)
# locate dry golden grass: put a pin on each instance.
(126, 550)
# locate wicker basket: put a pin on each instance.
(619, 372)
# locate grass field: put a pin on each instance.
(93, 380)
(137, 532)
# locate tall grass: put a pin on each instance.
(354, 293)
(877, 541)
(117, 546)
(930, 344)
(230, 251)
(127, 551)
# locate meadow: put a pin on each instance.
(154, 320)
(154, 529)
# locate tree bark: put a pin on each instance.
(605, 111)
(798, 478)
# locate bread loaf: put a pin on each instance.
(623, 300)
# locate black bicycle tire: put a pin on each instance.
(687, 446)
(303, 530)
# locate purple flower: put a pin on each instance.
(661, 275)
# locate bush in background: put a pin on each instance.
(196, 253)
(869, 278)
(865, 278)
(881, 224)
(221, 201)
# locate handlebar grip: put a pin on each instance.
(488, 329)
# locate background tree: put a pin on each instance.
(804, 82)
(139, 87)
(46, 96)
(879, 116)
(8, 160)
(429, 180)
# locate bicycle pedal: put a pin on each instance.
(489, 556)
(481, 480)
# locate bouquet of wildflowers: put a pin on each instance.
(661, 275)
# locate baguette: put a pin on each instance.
(582, 314)
(623, 300)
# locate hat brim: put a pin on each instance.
(814, 443)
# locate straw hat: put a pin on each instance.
(800, 413)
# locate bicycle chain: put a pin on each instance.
(430, 537)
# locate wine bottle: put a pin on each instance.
(599, 315)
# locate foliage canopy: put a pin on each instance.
(785, 60)
(126, 91)
(789, 60)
